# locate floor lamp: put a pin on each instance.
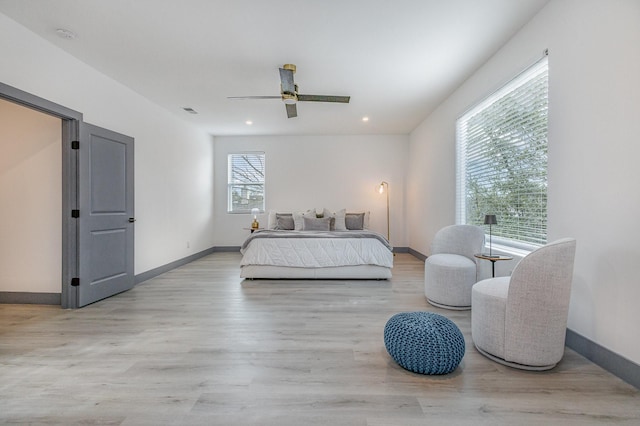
(384, 187)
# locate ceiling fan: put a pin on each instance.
(289, 93)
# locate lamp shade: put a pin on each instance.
(490, 219)
(255, 212)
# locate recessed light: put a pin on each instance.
(365, 119)
(62, 33)
(248, 122)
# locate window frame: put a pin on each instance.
(512, 245)
(231, 185)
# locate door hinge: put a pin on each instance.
(75, 213)
(75, 282)
(75, 144)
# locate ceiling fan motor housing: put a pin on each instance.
(289, 98)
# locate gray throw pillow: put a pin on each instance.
(354, 221)
(284, 221)
(316, 224)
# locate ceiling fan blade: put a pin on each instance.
(253, 97)
(324, 98)
(292, 111)
(286, 79)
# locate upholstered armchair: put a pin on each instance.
(451, 269)
(521, 321)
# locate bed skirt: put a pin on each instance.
(358, 272)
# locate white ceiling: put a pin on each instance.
(396, 59)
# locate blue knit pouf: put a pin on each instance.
(424, 342)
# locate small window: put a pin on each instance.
(502, 161)
(245, 182)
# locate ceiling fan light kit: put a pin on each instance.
(290, 96)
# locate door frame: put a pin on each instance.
(70, 132)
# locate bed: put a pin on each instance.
(316, 246)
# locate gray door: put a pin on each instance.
(106, 215)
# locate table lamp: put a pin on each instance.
(490, 219)
(255, 224)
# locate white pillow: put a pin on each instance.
(271, 220)
(298, 223)
(339, 224)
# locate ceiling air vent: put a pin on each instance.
(190, 110)
(66, 34)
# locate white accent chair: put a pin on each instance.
(451, 269)
(521, 321)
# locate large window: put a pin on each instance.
(245, 182)
(502, 161)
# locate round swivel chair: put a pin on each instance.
(451, 270)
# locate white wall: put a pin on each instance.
(304, 172)
(594, 134)
(31, 200)
(173, 160)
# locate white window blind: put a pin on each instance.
(502, 160)
(245, 187)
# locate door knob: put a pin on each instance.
(131, 220)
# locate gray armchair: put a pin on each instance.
(451, 269)
(521, 321)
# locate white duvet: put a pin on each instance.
(317, 252)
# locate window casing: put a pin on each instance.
(245, 182)
(502, 161)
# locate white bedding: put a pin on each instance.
(314, 250)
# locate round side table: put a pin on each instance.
(493, 258)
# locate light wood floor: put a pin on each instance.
(198, 345)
